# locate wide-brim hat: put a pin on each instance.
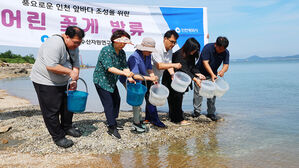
(147, 44)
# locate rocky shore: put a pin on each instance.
(24, 138)
(12, 70)
(29, 133)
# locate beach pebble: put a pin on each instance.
(4, 141)
(33, 136)
(5, 129)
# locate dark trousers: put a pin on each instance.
(52, 101)
(175, 100)
(111, 104)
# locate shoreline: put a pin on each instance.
(8, 71)
(13, 70)
(9, 102)
(28, 142)
(29, 139)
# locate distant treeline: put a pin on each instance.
(9, 57)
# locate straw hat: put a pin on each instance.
(148, 44)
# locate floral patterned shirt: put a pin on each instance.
(108, 59)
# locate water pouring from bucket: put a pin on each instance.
(76, 100)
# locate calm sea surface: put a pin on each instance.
(261, 127)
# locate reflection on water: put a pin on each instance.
(194, 152)
(203, 152)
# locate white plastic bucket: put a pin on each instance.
(207, 89)
(221, 87)
(180, 81)
(158, 95)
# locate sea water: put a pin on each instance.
(260, 127)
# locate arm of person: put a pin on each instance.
(171, 72)
(73, 84)
(59, 69)
(201, 76)
(151, 77)
(163, 66)
(160, 65)
(52, 55)
(150, 72)
(209, 70)
(197, 73)
(125, 72)
(139, 77)
(129, 74)
(197, 81)
(223, 70)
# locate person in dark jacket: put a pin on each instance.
(186, 57)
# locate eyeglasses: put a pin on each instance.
(76, 42)
(173, 42)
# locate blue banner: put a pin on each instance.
(188, 22)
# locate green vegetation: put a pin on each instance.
(9, 57)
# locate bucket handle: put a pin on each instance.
(68, 83)
(141, 76)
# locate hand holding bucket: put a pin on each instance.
(135, 92)
(73, 85)
(210, 89)
(76, 100)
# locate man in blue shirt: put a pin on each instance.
(211, 57)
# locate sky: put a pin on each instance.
(258, 27)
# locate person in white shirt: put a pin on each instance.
(161, 60)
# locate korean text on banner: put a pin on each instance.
(28, 23)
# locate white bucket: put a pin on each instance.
(221, 87)
(180, 81)
(207, 89)
(158, 95)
